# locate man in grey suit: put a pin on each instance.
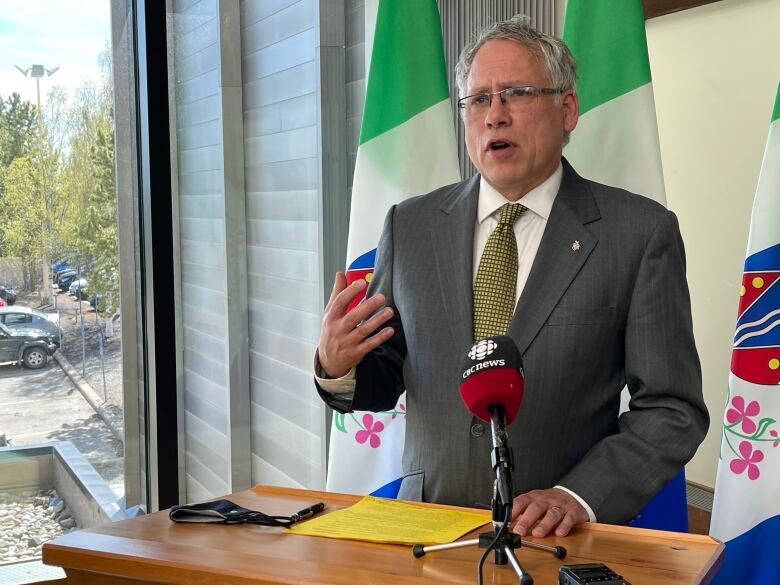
(596, 295)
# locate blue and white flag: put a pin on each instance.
(746, 512)
(406, 148)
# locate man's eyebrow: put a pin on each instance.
(504, 85)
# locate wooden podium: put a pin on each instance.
(152, 549)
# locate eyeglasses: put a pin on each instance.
(510, 96)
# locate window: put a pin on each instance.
(64, 160)
(16, 319)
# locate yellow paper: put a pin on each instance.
(380, 520)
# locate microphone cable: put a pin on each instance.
(500, 534)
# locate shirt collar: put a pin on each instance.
(540, 199)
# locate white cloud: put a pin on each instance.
(68, 34)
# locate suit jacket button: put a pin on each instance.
(477, 429)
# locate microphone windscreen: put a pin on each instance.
(492, 373)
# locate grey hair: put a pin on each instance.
(555, 55)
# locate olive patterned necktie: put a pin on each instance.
(496, 283)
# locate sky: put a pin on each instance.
(69, 34)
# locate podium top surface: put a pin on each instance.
(152, 549)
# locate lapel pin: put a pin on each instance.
(575, 245)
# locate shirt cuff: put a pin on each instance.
(583, 503)
(343, 385)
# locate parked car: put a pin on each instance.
(76, 286)
(55, 275)
(29, 347)
(19, 317)
(66, 279)
(8, 294)
(63, 274)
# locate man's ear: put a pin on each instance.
(570, 107)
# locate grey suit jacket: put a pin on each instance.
(606, 305)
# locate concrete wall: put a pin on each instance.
(61, 466)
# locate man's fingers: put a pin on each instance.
(337, 306)
(339, 284)
(542, 511)
(569, 521)
(375, 340)
(363, 311)
(369, 327)
(354, 352)
(519, 505)
(346, 338)
(553, 517)
(530, 516)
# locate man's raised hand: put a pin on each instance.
(346, 337)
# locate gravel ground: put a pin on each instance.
(27, 520)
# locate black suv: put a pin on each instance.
(8, 294)
(29, 347)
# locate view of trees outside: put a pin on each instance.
(57, 188)
(58, 210)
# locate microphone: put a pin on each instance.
(493, 374)
(492, 388)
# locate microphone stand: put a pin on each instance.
(502, 542)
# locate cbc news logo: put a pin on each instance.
(482, 349)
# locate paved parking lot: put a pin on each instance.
(38, 406)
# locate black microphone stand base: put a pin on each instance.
(500, 539)
(504, 550)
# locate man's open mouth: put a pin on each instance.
(498, 145)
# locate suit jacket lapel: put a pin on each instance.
(565, 246)
(453, 244)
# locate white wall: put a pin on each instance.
(715, 73)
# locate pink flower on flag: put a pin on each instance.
(401, 410)
(743, 413)
(371, 432)
(776, 441)
(748, 461)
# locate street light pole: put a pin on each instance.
(38, 71)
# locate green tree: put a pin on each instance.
(23, 215)
(17, 125)
(87, 231)
(100, 226)
(57, 183)
(17, 131)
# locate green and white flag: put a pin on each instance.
(406, 148)
(616, 139)
(616, 143)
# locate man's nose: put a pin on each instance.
(497, 113)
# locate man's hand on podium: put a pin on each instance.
(542, 511)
